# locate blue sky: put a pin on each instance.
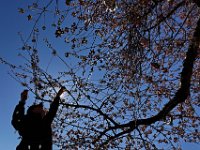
(11, 23)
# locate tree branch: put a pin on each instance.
(167, 16)
(184, 91)
(91, 108)
(180, 96)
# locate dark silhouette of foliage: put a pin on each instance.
(131, 69)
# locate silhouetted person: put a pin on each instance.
(35, 126)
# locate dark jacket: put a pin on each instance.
(36, 132)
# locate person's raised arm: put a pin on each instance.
(54, 106)
(18, 114)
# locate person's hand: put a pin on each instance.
(24, 95)
(61, 91)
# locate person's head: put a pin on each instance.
(36, 110)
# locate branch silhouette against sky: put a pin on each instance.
(131, 69)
